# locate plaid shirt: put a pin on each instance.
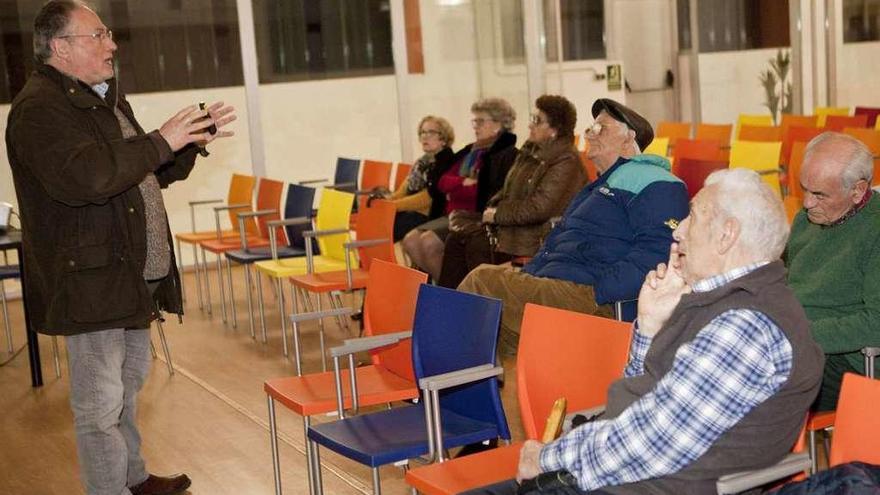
(737, 361)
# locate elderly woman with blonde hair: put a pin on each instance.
(462, 188)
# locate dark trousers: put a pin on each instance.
(565, 486)
(465, 251)
(404, 221)
(832, 375)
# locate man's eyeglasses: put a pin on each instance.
(536, 119)
(595, 128)
(99, 35)
(429, 132)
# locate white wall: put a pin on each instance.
(858, 74)
(729, 84)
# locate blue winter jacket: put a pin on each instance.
(616, 230)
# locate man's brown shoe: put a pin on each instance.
(158, 485)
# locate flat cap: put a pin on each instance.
(620, 113)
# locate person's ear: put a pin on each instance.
(730, 231)
(59, 48)
(858, 191)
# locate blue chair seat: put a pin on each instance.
(396, 434)
(9, 271)
(262, 254)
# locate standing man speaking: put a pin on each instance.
(95, 232)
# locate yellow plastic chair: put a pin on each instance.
(752, 120)
(824, 112)
(659, 146)
(760, 157)
(331, 231)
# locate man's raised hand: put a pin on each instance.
(190, 125)
(660, 294)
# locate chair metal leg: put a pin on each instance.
(153, 349)
(282, 311)
(259, 283)
(56, 356)
(198, 272)
(377, 487)
(321, 337)
(8, 328)
(180, 271)
(231, 293)
(207, 282)
(310, 467)
(250, 298)
(222, 287)
(165, 348)
(316, 463)
(273, 440)
(814, 463)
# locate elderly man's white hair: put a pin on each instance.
(741, 194)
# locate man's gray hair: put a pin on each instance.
(51, 21)
(853, 154)
(742, 195)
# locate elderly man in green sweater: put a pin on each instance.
(833, 256)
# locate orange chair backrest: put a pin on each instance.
(696, 149)
(374, 174)
(269, 198)
(840, 122)
(789, 120)
(401, 173)
(716, 132)
(589, 166)
(760, 133)
(674, 131)
(857, 425)
(241, 191)
(794, 134)
(793, 173)
(566, 354)
(694, 172)
(376, 222)
(390, 306)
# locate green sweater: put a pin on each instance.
(835, 273)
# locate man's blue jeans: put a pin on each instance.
(107, 370)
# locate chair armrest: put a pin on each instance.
(459, 377)
(350, 346)
(871, 351)
(232, 207)
(366, 243)
(289, 221)
(739, 482)
(341, 185)
(204, 202)
(258, 213)
(314, 315)
(769, 171)
(870, 355)
(319, 233)
(312, 181)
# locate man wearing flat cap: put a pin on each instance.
(617, 229)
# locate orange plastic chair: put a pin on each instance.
(752, 120)
(840, 122)
(794, 134)
(794, 170)
(268, 202)
(696, 149)
(389, 308)
(790, 120)
(561, 354)
(401, 173)
(373, 174)
(761, 133)
(871, 138)
(716, 132)
(239, 198)
(375, 229)
(871, 112)
(857, 429)
(674, 131)
(589, 166)
(694, 172)
(760, 157)
(823, 112)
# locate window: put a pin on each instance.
(582, 23)
(307, 39)
(163, 46)
(861, 20)
(727, 25)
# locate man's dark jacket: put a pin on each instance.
(83, 225)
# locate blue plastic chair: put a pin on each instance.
(453, 344)
(297, 219)
(345, 178)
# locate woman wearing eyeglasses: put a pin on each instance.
(461, 189)
(412, 199)
(545, 177)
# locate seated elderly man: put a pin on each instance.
(833, 256)
(613, 232)
(722, 366)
